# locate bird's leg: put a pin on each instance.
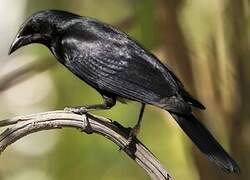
(135, 130)
(109, 102)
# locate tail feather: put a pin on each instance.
(206, 142)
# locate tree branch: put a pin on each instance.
(24, 72)
(113, 131)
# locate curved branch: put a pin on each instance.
(115, 132)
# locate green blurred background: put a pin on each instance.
(207, 43)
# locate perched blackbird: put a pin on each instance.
(118, 67)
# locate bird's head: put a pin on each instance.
(41, 27)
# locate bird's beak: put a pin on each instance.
(19, 42)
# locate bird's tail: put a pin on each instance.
(207, 144)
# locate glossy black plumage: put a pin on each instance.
(118, 67)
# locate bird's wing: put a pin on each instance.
(120, 69)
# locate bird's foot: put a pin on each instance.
(76, 110)
(81, 110)
(133, 133)
(132, 138)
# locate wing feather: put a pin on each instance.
(118, 68)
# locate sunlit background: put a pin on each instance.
(207, 43)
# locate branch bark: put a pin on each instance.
(25, 125)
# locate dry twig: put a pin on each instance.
(24, 125)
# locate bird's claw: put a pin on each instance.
(132, 137)
(76, 110)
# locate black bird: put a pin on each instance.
(118, 67)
